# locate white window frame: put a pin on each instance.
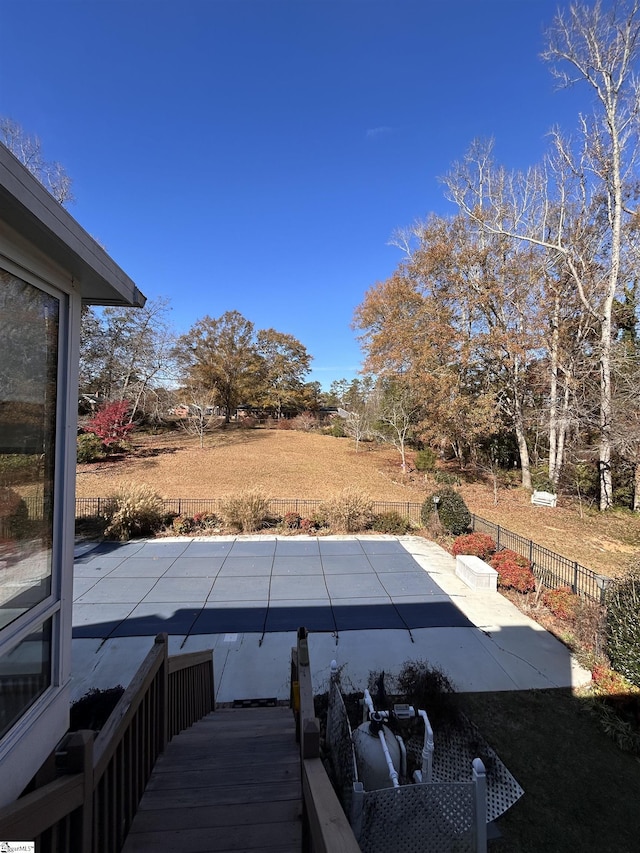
(46, 719)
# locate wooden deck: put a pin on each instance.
(229, 783)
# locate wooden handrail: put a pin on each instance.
(90, 809)
(121, 716)
(36, 812)
(329, 830)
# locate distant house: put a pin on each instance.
(49, 268)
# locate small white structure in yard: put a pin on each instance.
(49, 268)
(476, 573)
(544, 499)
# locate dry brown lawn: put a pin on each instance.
(291, 464)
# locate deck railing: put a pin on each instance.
(326, 828)
(91, 804)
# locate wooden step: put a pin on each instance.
(229, 783)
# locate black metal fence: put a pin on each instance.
(551, 569)
(91, 507)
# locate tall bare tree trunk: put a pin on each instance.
(553, 394)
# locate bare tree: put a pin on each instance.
(28, 149)
(201, 416)
(125, 353)
(397, 411)
(357, 424)
(580, 204)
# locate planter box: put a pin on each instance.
(475, 573)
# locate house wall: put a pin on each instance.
(28, 742)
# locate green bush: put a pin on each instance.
(580, 479)
(425, 686)
(623, 625)
(452, 511)
(90, 448)
(390, 522)
(247, 512)
(540, 480)
(19, 468)
(14, 513)
(426, 460)
(623, 483)
(337, 430)
(93, 709)
(446, 479)
(135, 509)
(350, 511)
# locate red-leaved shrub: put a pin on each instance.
(292, 520)
(561, 602)
(476, 544)
(514, 571)
(608, 682)
(111, 423)
(508, 556)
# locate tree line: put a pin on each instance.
(513, 322)
(218, 365)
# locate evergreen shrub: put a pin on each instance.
(623, 625)
(90, 448)
(540, 480)
(390, 522)
(19, 468)
(425, 460)
(446, 479)
(14, 513)
(452, 511)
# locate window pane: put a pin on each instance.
(29, 325)
(25, 673)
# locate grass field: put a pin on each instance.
(291, 464)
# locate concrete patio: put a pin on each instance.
(369, 602)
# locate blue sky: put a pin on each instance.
(257, 154)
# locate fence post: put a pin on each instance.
(480, 797)
(76, 754)
(164, 698)
(498, 539)
(574, 586)
(603, 583)
(357, 805)
(309, 725)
